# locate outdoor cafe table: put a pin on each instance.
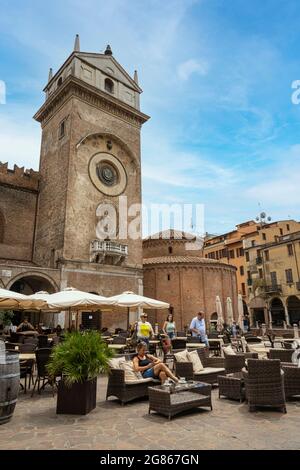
(118, 347)
(195, 345)
(27, 356)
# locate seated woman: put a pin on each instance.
(150, 366)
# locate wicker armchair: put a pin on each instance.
(234, 363)
(264, 384)
(127, 392)
(291, 380)
(285, 355)
(213, 366)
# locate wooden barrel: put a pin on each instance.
(9, 385)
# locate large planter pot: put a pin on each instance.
(9, 385)
(79, 399)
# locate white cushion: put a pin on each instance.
(194, 358)
(139, 381)
(130, 373)
(229, 351)
(211, 370)
(182, 356)
(115, 362)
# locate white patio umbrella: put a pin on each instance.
(220, 321)
(73, 299)
(130, 299)
(240, 312)
(10, 299)
(229, 311)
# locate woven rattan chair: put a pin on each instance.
(213, 366)
(127, 392)
(285, 355)
(291, 380)
(42, 358)
(264, 382)
(234, 363)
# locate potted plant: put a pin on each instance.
(78, 360)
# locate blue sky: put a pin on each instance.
(216, 76)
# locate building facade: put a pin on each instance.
(236, 247)
(176, 272)
(61, 226)
(274, 280)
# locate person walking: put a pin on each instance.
(144, 330)
(198, 328)
(169, 326)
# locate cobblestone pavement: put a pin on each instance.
(35, 425)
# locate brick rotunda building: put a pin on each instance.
(176, 272)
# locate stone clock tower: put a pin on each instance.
(90, 161)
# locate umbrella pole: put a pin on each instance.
(77, 320)
(128, 313)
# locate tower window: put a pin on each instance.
(170, 250)
(109, 85)
(62, 129)
(169, 277)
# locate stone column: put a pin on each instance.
(286, 313)
(270, 320)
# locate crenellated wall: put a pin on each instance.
(18, 201)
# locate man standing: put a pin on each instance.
(144, 329)
(198, 329)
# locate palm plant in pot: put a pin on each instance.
(79, 360)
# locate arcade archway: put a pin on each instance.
(293, 305)
(29, 284)
(277, 312)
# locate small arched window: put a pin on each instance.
(59, 82)
(109, 85)
(2, 223)
(170, 250)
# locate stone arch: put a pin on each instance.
(108, 135)
(2, 284)
(31, 282)
(277, 311)
(293, 307)
(214, 317)
(257, 310)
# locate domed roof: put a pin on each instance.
(184, 260)
(171, 234)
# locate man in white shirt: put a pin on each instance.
(198, 329)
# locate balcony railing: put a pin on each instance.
(100, 251)
(259, 260)
(273, 288)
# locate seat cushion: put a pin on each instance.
(141, 381)
(116, 362)
(182, 356)
(211, 370)
(229, 351)
(194, 358)
(130, 373)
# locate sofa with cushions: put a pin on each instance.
(126, 384)
(195, 365)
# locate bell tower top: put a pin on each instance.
(98, 71)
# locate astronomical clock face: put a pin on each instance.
(107, 174)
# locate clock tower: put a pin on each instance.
(90, 167)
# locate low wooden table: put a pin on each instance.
(171, 400)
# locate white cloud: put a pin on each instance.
(187, 68)
(19, 142)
